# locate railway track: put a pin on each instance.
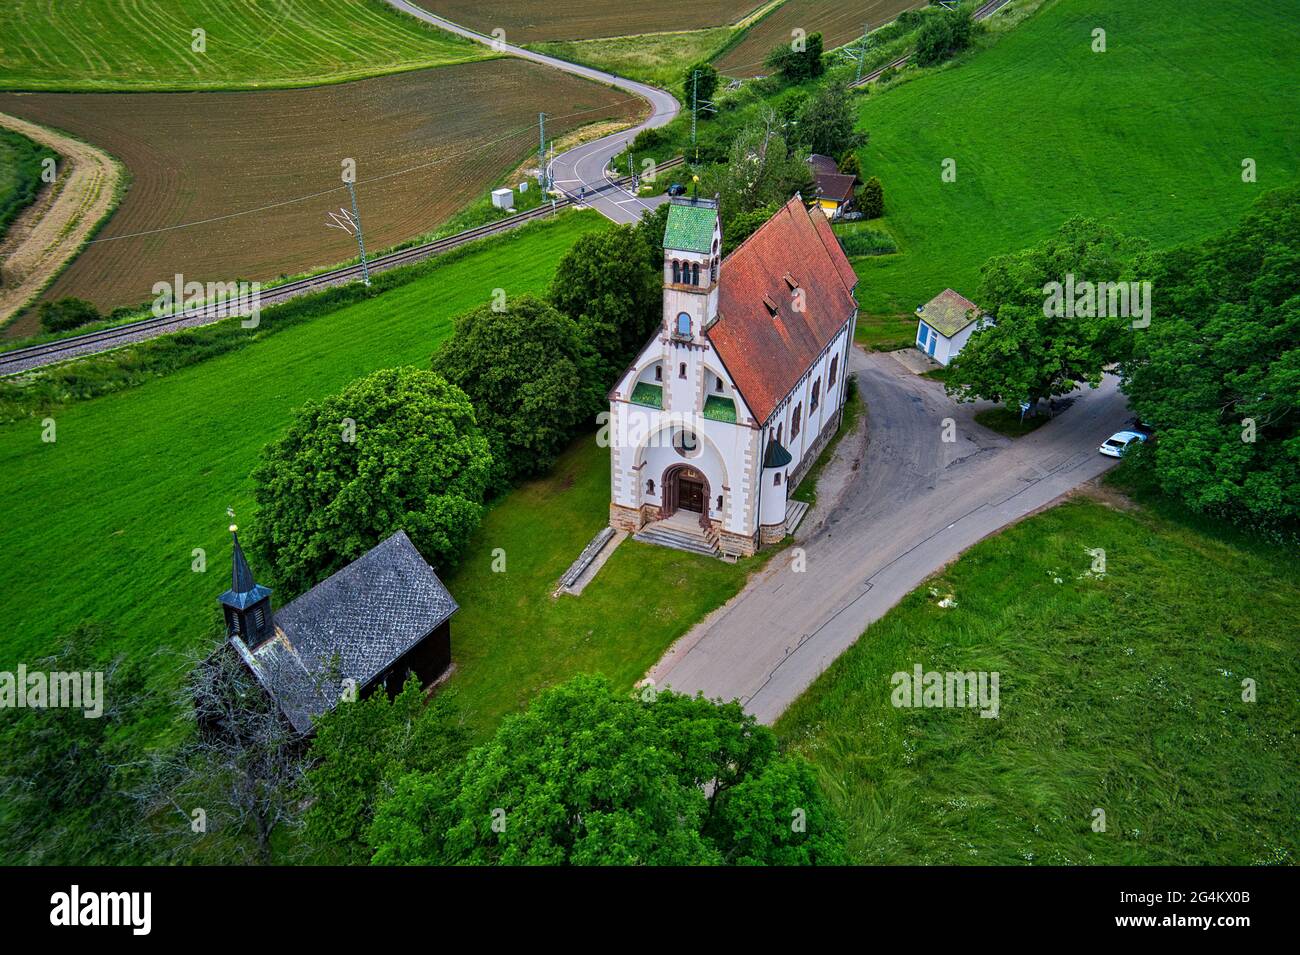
(93, 343)
(987, 10)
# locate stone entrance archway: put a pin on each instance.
(685, 488)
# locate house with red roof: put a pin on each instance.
(727, 406)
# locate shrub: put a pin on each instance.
(67, 313)
(872, 199)
(942, 37)
(868, 242)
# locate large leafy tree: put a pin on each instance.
(590, 776)
(397, 450)
(67, 780)
(360, 751)
(826, 122)
(607, 284)
(1218, 371)
(700, 80)
(761, 171)
(1030, 352)
(943, 36)
(530, 374)
(797, 65)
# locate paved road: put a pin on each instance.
(581, 168)
(915, 503)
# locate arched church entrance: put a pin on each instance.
(685, 488)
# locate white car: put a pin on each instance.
(1114, 445)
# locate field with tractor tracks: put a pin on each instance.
(229, 186)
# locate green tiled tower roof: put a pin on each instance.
(690, 227)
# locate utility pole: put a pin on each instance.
(541, 150)
(361, 242)
(862, 51)
(695, 92)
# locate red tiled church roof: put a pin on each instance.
(766, 354)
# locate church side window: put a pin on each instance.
(835, 366)
(794, 421)
(816, 395)
(695, 273)
(681, 370)
(659, 372)
(684, 325)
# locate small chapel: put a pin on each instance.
(728, 405)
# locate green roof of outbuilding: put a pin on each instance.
(948, 313)
(690, 228)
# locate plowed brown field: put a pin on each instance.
(531, 21)
(838, 21)
(259, 172)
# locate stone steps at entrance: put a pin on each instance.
(680, 536)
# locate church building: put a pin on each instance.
(367, 627)
(728, 405)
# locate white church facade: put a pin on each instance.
(728, 405)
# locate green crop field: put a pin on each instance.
(20, 175)
(102, 523)
(150, 44)
(659, 59)
(1149, 135)
(1120, 692)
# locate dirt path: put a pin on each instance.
(50, 232)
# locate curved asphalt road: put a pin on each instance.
(581, 168)
(912, 504)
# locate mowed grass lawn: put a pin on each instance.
(1148, 136)
(102, 524)
(511, 638)
(1121, 693)
(149, 44)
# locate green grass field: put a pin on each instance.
(660, 59)
(511, 638)
(102, 523)
(20, 175)
(1121, 692)
(148, 44)
(1149, 136)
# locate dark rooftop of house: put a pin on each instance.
(351, 626)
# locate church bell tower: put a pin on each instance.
(692, 261)
(247, 604)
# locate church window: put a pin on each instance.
(684, 325)
(649, 487)
(259, 617)
(713, 268)
(695, 273)
(659, 372)
(776, 479)
(816, 395)
(779, 429)
(677, 271)
(835, 366)
(794, 422)
(719, 502)
(234, 623)
(718, 386)
(681, 370)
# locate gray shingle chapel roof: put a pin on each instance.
(365, 617)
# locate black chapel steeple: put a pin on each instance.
(247, 604)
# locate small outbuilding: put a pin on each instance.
(834, 188)
(382, 617)
(503, 198)
(946, 323)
